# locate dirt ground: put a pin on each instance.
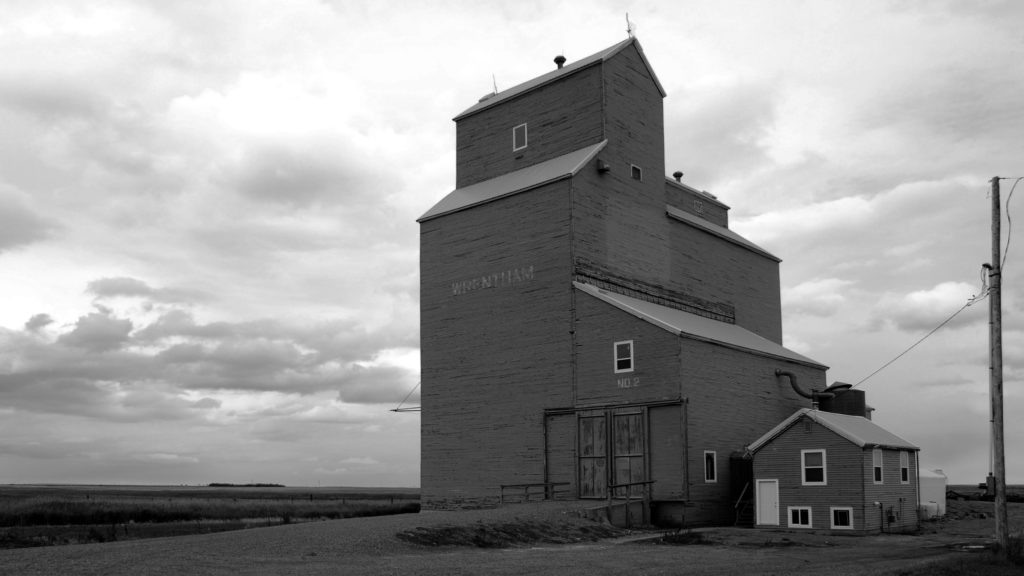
(585, 547)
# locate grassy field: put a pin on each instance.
(43, 515)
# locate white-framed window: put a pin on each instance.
(519, 137)
(710, 466)
(623, 356)
(876, 463)
(813, 468)
(904, 468)
(636, 172)
(842, 517)
(799, 516)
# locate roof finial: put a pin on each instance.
(630, 27)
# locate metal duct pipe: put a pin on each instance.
(814, 395)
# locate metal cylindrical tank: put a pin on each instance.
(846, 400)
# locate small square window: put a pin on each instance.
(842, 518)
(624, 356)
(519, 137)
(814, 468)
(636, 172)
(710, 466)
(799, 517)
(876, 460)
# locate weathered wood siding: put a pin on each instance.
(561, 117)
(655, 374)
(780, 459)
(668, 452)
(901, 499)
(710, 268)
(561, 451)
(495, 295)
(733, 397)
(700, 205)
(849, 472)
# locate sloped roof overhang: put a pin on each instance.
(857, 429)
(559, 168)
(720, 231)
(562, 73)
(687, 325)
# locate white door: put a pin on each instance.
(768, 502)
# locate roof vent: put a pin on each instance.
(559, 60)
(678, 176)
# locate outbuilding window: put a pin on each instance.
(799, 516)
(636, 172)
(624, 356)
(519, 137)
(842, 518)
(710, 466)
(814, 467)
(876, 460)
(904, 468)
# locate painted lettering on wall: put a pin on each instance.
(633, 382)
(501, 279)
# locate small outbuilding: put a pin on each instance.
(825, 471)
(933, 493)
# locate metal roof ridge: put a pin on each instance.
(505, 183)
(724, 233)
(766, 350)
(559, 73)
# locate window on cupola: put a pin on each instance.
(519, 137)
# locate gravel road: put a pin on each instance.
(368, 546)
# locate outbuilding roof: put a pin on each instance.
(697, 327)
(514, 182)
(857, 429)
(717, 230)
(561, 73)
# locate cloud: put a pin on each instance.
(820, 297)
(98, 332)
(20, 225)
(923, 310)
(38, 322)
(104, 288)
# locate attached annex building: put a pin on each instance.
(587, 323)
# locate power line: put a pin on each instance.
(971, 301)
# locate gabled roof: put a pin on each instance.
(561, 73)
(697, 327)
(514, 182)
(857, 429)
(717, 230)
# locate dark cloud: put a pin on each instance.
(309, 173)
(133, 287)
(374, 385)
(37, 322)
(19, 224)
(98, 331)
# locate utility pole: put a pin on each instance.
(996, 373)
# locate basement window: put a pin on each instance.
(813, 464)
(519, 137)
(624, 356)
(842, 518)
(636, 172)
(904, 468)
(876, 460)
(799, 516)
(710, 466)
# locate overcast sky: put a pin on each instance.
(208, 246)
